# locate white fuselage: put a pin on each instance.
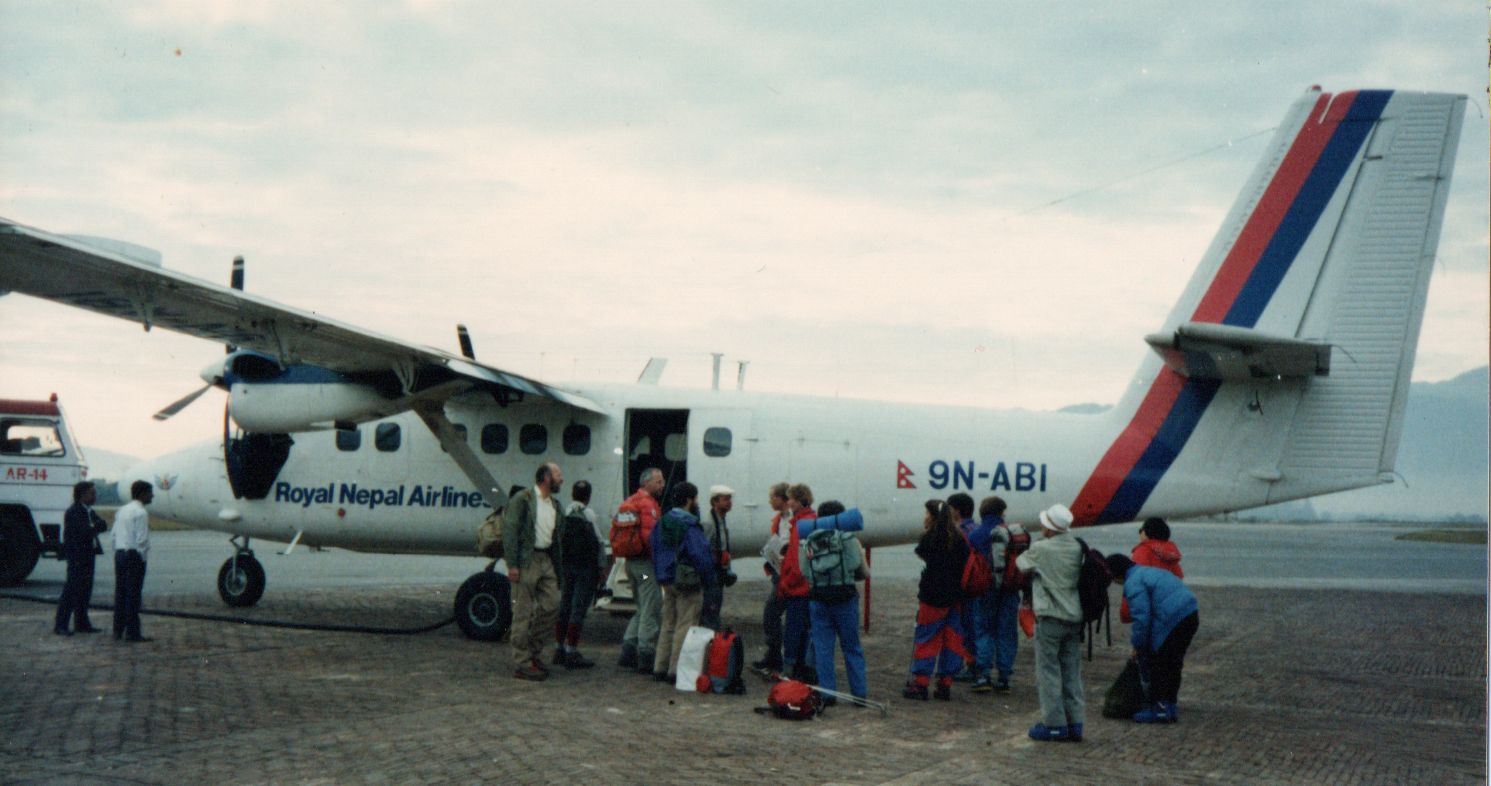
(885, 459)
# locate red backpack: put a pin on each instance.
(626, 533)
(792, 700)
(1018, 544)
(978, 578)
(723, 660)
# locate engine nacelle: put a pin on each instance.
(264, 397)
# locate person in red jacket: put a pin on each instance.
(771, 553)
(640, 638)
(793, 589)
(1155, 551)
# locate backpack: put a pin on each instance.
(1092, 583)
(829, 562)
(577, 540)
(489, 536)
(792, 700)
(978, 578)
(626, 533)
(724, 659)
(1019, 543)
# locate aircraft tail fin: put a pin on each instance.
(1283, 371)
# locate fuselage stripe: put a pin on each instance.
(1291, 206)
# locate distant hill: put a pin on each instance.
(1442, 462)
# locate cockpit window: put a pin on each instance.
(27, 437)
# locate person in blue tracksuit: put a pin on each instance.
(1165, 620)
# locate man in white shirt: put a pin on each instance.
(533, 555)
(131, 551)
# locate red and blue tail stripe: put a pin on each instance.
(1302, 187)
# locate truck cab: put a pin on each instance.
(39, 464)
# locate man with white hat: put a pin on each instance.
(721, 499)
(1056, 561)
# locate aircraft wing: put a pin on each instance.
(128, 282)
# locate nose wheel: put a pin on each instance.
(240, 582)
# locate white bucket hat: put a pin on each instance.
(1057, 518)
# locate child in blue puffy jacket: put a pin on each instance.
(1165, 619)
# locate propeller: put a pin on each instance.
(182, 403)
(213, 374)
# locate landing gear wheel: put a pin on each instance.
(240, 582)
(19, 549)
(484, 607)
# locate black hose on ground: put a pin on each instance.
(191, 615)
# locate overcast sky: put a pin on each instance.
(857, 198)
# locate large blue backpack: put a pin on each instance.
(829, 561)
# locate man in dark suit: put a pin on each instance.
(80, 527)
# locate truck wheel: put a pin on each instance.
(240, 582)
(19, 548)
(484, 608)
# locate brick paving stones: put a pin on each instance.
(1281, 687)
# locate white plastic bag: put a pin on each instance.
(691, 658)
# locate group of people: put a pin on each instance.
(81, 528)
(557, 561)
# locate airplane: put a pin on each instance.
(1282, 372)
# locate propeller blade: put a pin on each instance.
(181, 403)
(235, 281)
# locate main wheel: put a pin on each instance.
(19, 548)
(484, 607)
(240, 582)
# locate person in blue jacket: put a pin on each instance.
(684, 567)
(1165, 620)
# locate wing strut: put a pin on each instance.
(433, 414)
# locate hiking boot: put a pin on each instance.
(1002, 685)
(574, 660)
(984, 685)
(767, 664)
(1043, 733)
(628, 659)
(914, 691)
(644, 662)
(1074, 732)
(943, 693)
(527, 672)
(662, 676)
(539, 664)
(559, 656)
(1156, 713)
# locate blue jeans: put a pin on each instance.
(978, 619)
(838, 621)
(794, 633)
(1006, 631)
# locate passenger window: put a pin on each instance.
(533, 439)
(30, 438)
(717, 442)
(576, 440)
(349, 439)
(494, 438)
(386, 438)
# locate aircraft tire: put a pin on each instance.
(243, 587)
(19, 548)
(484, 608)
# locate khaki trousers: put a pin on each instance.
(680, 612)
(535, 609)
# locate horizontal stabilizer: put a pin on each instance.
(1203, 350)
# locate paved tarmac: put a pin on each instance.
(1282, 686)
